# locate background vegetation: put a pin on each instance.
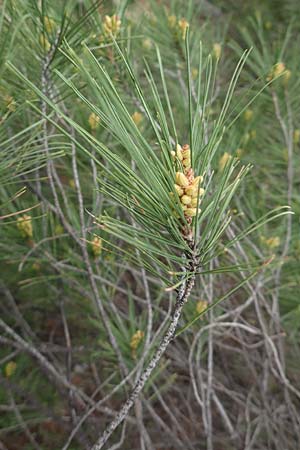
(84, 298)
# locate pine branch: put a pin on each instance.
(182, 298)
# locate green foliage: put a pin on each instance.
(76, 160)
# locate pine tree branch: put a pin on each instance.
(182, 297)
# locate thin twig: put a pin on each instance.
(182, 298)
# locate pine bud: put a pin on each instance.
(49, 24)
(172, 21)
(111, 25)
(276, 71)
(268, 25)
(94, 121)
(137, 117)
(296, 136)
(45, 43)
(286, 77)
(223, 161)
(9, 102)
(201, 306)
(272, 242)
(194, 73)
(279, 68)
(217, 50)
(24, 225)
(36, 267)
(136, 338)
(183, 26)
(97, 246)
(248, 115)
(246, 138)
(58, 229)
(10, 369)
(107, 21)
(72, 183)
(239, 152)
(147, 44)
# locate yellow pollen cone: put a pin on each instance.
(296, 136)
(94, 121)
(223, 161)
(179, 152)
(195, 202)
(201, 306)
(186, 162)
(186, 151)
(248, 114)
(97, 246)
(49, 24)
(186, 199)
(286, 77)
(192, 191)
(137, 117)
(179, 190)
(197, 180)
(10, 369)
(279, 68)
(172, 21)
(217, 50)
(45, 43)
(181, 179)
(183, 26)
(24, 224)
(191, 212)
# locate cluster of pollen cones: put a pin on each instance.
(186, 184)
